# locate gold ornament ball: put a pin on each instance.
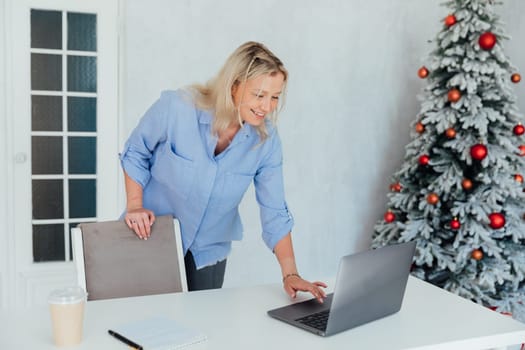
(466, 184)
(454, 95)
(422, 72)
(477, 254)
(420, 128)
(450, 133)
(432, 198)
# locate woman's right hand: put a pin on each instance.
(140, 221)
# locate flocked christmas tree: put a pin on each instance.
(459, 192)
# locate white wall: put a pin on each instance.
(351, 98)
(3, 163)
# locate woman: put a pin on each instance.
(194, 154)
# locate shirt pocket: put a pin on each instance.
(235, 186)
(173, 171)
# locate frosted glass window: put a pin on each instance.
(82, 73)
(82, 198)
(48, 199)
(48, 243)
(63, 63)
(46, 72)
(81, 114)
(46, 155)
(46, 29)
(46, 113)
(82, 155)
(81, 31)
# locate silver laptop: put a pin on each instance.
(369, 285)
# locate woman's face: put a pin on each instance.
(258, 97)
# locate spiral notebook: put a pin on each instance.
(156, 333)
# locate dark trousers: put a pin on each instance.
(209, 277)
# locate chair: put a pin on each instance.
(112, 262)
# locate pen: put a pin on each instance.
(125, 340)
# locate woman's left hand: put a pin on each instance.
(294, 283)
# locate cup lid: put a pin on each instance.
(67, 295)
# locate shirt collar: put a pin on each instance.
(204, 117)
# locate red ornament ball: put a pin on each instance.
(450, 20)
(422, 72)
(450, 133)
(432, 198)
(420, 128)
(389, 217)
(518, 178)
(424, 159)
(497, 220)
(515, 78)
(454, 95)
(466, 184)
(519, 129)
(478, 151)
(455, 224)
(522, 150)
(477, 254)
(395, 187)
(487, 41)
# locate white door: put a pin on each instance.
(62, 135)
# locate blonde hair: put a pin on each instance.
(250, 60)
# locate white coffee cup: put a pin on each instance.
(67, 315)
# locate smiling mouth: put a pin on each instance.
(258, 115)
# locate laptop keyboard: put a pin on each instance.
(317, 320)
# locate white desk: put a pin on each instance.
(430, 319)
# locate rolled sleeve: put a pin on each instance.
(276, 225)
(135, 166)
(276, 219)
(135, 159)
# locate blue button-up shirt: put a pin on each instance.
(171, 155)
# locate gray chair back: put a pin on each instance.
(118, 264)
